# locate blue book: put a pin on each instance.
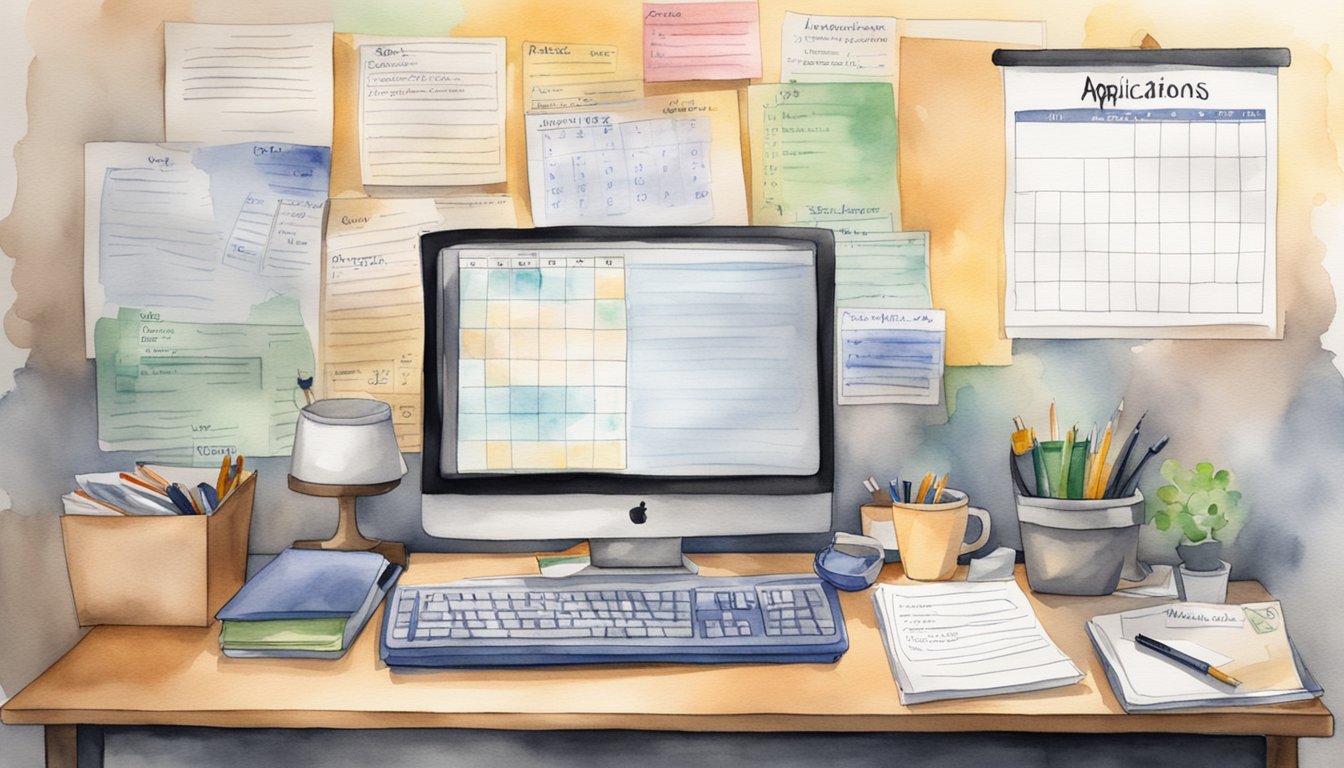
(305, 603)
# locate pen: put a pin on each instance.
(905, 491)
(895, 486)
(1132, 482)
(1203, 667)
(1113, 487)
(180, 500)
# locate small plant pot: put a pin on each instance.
(1201, 556)
(1204, 586)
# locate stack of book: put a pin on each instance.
(306, 603)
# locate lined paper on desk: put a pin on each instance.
(961, 639)
(431, 112)
(226, 83)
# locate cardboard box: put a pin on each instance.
(176, 569)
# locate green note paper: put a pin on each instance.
(189, 393)
(827, 153)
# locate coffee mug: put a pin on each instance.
(930, 536)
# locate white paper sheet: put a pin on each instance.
(662, 160)
(837, 49)
(1154, 210)
(202, 233)
(963, 639)
(431, 111)
(890, 356)
(226, 83)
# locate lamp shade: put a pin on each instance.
(346, 441)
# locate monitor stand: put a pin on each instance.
(610, 557)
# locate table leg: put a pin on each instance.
(61, 744)
(1281, 752)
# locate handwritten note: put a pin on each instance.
(960, 639)
(826, 150)
(838, 49)
(701, 41)
(890, 356)
(431, 112)
(189, 393)
(202, 233)
(666, 160)
(875, 268)
(372, 309)
(225, 83)
(573, 75)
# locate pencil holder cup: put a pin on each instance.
(1078, 546)
(930, 537)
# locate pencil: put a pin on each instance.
(924, 487)
(940, 487)
(128, 477)
(223, 474)
(1054, 423)
(152, 475)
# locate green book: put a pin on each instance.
(289, 634)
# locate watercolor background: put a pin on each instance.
(1273, 411)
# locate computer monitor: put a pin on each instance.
(628, 385)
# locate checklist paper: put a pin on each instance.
(960, 639)
(1139, 196)
(431, 112)
(701, 41)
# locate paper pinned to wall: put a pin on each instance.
(701, 41)
(1148, 200)
(372, 309)
(881, 268)
(202, 233)
(189, 393)
(838, 49)
(822, 150)
(476, 211)
(226, 83)
(663, 160)
(431, 111)
(890, 356)
(576, 75)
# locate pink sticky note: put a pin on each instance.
(701, 41)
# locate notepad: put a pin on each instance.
(1249, 642)
(957, 640)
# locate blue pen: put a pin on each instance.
(905, 497)
(209, 497)
(895, 485)
(180, 499)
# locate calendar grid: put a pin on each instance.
(1140, 211)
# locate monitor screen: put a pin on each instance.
(575, 369)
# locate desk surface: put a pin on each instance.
(177, 676)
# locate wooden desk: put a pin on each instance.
(177, 676)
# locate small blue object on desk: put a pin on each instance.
(850, 562)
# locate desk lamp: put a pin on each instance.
(346, 448)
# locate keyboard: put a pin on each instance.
(530, 621)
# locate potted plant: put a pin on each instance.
(1203, 507)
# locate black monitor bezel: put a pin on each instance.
(822, 242)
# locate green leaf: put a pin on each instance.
(1168, 493)
(1223, 478)
(1191, 529)
(1162, 520)
(1169, 468)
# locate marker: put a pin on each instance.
(1203, 667)
(180, 500)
